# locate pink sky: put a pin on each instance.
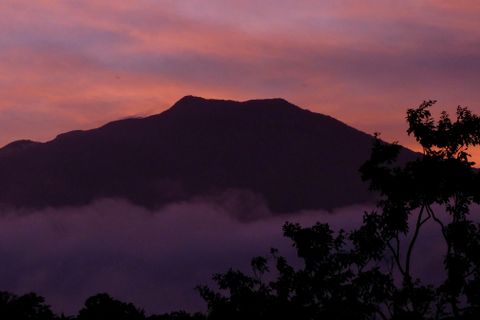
(68, 65)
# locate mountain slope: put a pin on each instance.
(295, 159)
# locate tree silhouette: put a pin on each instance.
(104, 307)
(179, 315)
(367, 273)
(443, 177)
(98, 307)
(28, 306)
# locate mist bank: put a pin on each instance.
(153, 258)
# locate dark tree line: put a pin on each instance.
(366, 273)
(98, 307)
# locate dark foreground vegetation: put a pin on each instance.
(365, 273)
(98, 307)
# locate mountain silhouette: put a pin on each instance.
(292, 158)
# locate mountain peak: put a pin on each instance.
(195, 104)
(189, 99)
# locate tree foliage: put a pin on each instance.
(28, 306)
(102, 306)
(98, 307)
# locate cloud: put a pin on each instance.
(80, 64)
(154, 259)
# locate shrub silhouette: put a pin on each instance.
(347, 275)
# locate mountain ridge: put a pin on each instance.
(293, 158)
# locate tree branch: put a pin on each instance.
(418, 225)
(396, 255)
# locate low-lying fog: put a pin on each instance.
(153, 259)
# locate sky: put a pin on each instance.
(69, 64)
(77, 64)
